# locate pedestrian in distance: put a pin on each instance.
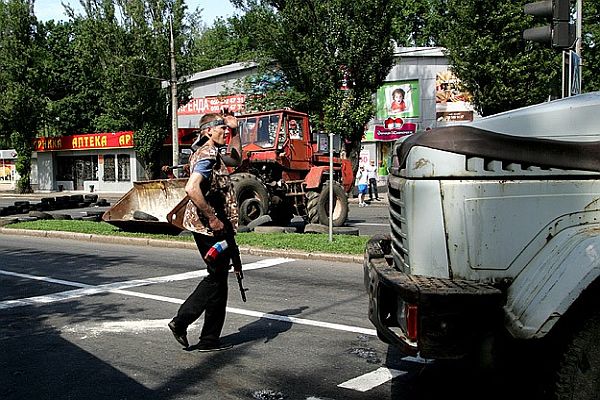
(372, 176)
(211, 215)
(363, 182)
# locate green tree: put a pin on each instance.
(21, 101)
(318, 44)
(487, 52)
(420, 22)
(590, 51)
(484, 45)
(126, 48)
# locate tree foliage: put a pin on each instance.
(590, 51)
(316, 45)
(486, 51)
(21, 80)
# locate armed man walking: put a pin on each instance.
(211, 215)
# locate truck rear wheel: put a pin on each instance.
(248, 186)
(579, 372)
(318, 205)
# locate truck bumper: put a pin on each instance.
(433, 317)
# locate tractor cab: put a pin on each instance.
(281, 136)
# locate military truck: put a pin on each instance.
(495, 233)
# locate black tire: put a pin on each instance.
(40, 215)
(250, 209)
(579, 372)
(248, 186)
(262, 220)
(319, 205)
(312, 207)
(142, 216)
(274, 229)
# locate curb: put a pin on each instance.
(177, 244)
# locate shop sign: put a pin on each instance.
(109, 140)
(394, 130)
(213, 104)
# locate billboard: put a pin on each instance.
(452, 102)
(399, 99)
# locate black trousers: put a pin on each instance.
(373, 188)
(210, 296)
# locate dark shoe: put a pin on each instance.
(180, 336)
(206, 347)
(378, 199)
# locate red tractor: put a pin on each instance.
(283, 173)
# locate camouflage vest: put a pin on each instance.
(218, 192)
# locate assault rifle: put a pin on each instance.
(237, 265)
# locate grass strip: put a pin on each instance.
(310, 243)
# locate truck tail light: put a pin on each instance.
(412, 317)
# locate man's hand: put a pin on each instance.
(216, 224)
(231, 121)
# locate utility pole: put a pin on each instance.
(174, 126)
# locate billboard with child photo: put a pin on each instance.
(398, 99)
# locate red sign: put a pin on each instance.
(393, 133)
(216, 104)
(85, 142)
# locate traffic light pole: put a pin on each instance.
(579, 34)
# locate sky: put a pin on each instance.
(52, 9)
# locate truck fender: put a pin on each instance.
(313, 178)
(553, 280)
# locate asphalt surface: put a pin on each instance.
(85, 321)
(89, 321)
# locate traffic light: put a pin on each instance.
(560, 33)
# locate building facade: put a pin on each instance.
(419, 93)
(91, 162)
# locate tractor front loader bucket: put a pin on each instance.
(146, 206)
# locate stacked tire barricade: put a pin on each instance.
(25, 210)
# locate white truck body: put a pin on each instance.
(500, 216)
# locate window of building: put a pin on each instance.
(124, 167)
(109, 168)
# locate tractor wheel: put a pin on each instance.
(318, 206)
(248, 186)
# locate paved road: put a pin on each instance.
(78, 323)
(85, 321)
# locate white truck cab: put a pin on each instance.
(495, 226)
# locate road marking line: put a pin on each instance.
(87, 290)
(373, 379)
(301, 321)
(119, 288)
